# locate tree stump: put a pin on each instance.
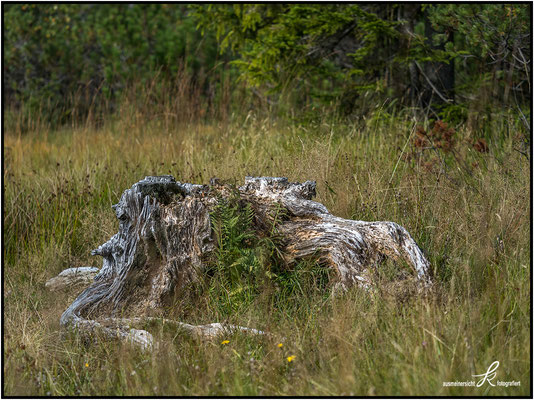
(165, 233)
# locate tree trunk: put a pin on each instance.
(165, 235)
(440, 75)
(409, 13)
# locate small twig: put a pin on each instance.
(522, 152)
(523, 118)
(431, 85)
(525, 63)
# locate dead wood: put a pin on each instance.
(79, 277)
(165, 235)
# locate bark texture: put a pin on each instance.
(165, 234)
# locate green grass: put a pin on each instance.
(469, 211)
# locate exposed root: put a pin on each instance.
(79, 277)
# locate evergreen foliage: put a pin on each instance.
(449, 60)
(342, 51)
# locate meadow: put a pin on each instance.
(465, 201)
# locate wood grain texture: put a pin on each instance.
(165, 233)
(78, 277)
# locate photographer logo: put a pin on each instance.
(487, 377)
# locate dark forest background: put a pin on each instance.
(460, 63)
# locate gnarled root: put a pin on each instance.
(121, 329)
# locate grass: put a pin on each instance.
(468, 210)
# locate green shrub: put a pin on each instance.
(65, 59)
(246, 265)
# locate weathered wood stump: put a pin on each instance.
(165, 233)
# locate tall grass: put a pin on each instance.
(468, 210)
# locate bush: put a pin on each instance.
(62, 59)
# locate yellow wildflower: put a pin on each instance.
(280, 344)
(86, 365)
(291, 358)
(225, 342)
